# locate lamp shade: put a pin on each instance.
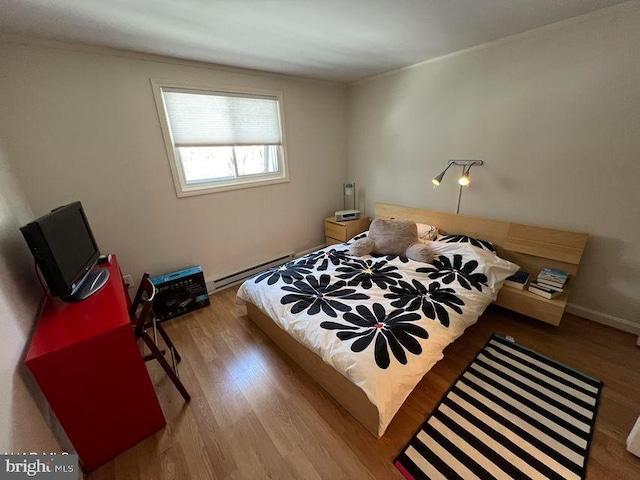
(465, 179)
(436, 181)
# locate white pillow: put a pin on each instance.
(427, 232)
(476, 242)
(495, 268)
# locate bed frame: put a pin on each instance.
(533, 248)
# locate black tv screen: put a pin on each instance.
(63, 246)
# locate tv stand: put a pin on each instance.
(91, 283)
(87, 362)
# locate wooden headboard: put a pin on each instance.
(531, 247)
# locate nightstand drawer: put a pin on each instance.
(341, 232)
(336, 231)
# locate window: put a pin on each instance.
(221, 139)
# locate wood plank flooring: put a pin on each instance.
(254, 414)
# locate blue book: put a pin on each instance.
(554, 272)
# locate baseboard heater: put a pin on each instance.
(221, 283)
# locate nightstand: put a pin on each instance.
(341, 232)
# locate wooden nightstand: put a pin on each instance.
(340, 232)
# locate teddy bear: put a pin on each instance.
(392, 237)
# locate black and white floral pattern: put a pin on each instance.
(323, 258)
(394, 331)
(360, 235)
(450, 271)
(400, 258)
(432, 299)
(483, 244)
(377, 321)
(288, 273)
(313, 295)
(367, 272)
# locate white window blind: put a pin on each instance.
(210, 120)
(219, 139)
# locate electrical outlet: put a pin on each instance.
(128, 281)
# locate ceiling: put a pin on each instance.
(341, 40)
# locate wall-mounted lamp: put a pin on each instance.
(436, 181)
(464, 180)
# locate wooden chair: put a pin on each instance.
(144, 320)
(157, 326)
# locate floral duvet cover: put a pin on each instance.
(382, 322)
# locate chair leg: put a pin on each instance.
(166, 367)
(168, 341)
(151, 356)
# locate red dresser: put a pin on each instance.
(86, 360)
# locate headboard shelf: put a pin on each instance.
(531, 247)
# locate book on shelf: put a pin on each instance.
(553, 278)
(554, 274)
(560, 281)
(552, 285)
(543, 291)
(517, 280)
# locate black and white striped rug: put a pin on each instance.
(513, 413)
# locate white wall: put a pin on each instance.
(555, 113)
(82, 125)
(22, 427)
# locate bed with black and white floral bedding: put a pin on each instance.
(382, 322)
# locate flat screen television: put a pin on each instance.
(66, 251)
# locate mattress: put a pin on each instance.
(384, 321)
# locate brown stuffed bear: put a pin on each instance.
(392, 237)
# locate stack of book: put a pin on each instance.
(550, 283)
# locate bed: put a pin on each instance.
(367, 329)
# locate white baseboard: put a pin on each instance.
(235, 278)
(604, 318)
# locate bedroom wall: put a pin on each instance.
(555, 114)
(81, 123)
(23, 427)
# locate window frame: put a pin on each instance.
(184, 189)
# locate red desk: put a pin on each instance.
(86, 360)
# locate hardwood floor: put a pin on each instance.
(254, 414)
